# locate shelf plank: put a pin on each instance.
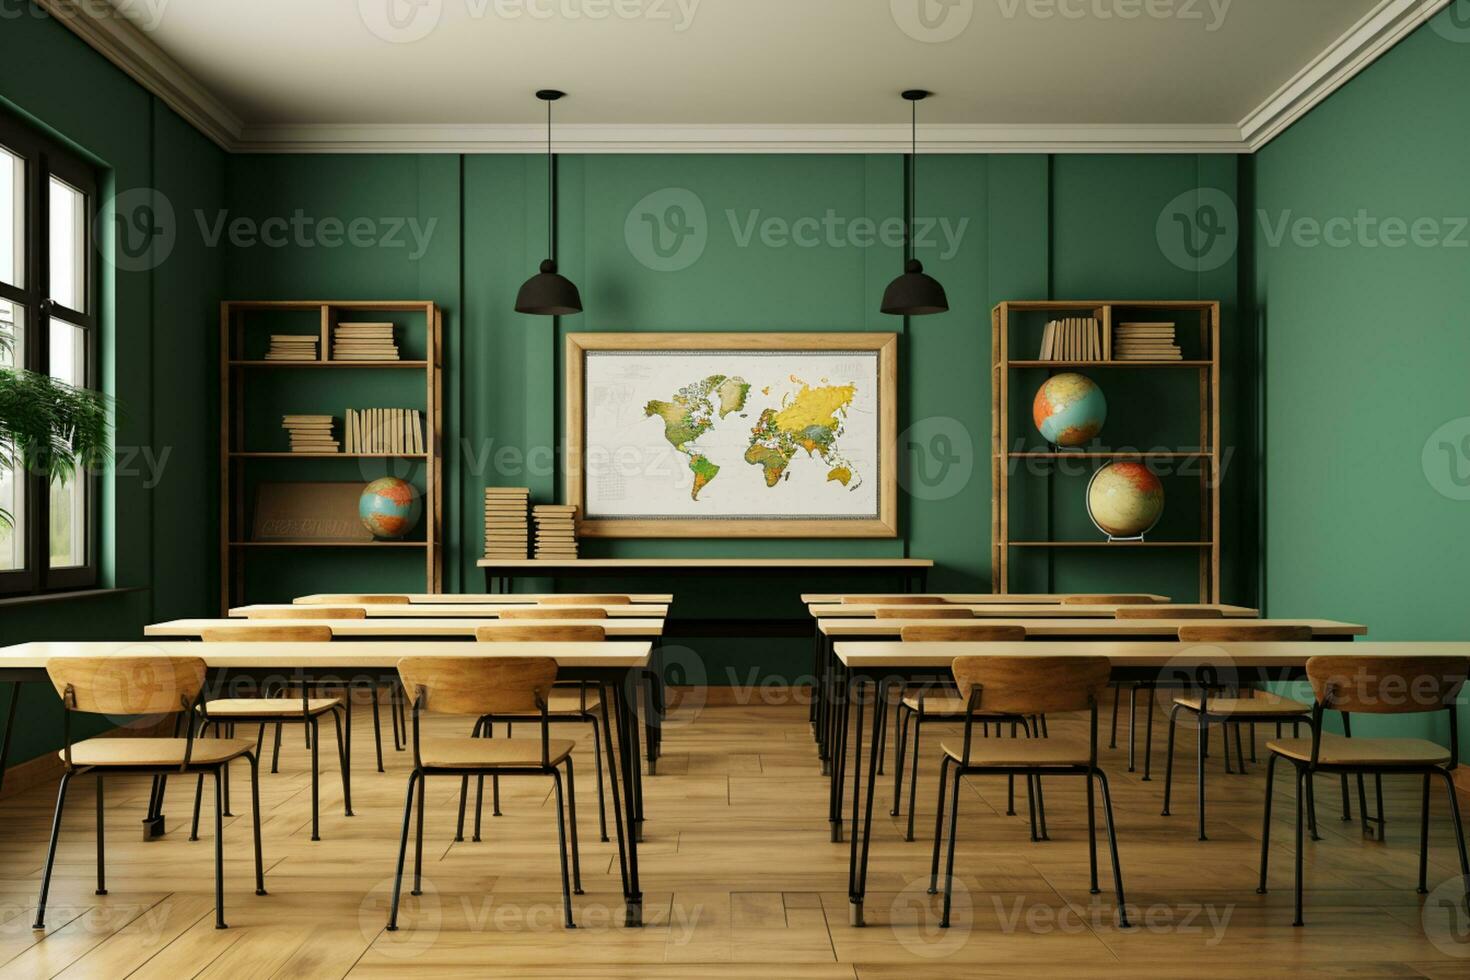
(1110, 544)
(1112, 455)
(330, 455)
(329, 544)
(370, 365)
(1111, 364)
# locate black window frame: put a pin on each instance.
(43, 159)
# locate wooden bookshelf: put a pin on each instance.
(1010, 356)
(243, 370)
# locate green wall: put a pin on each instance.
(1368, 350)
(158, 347)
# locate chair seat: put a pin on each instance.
(103, 752)
(469, 753)
(1337, 750)
(227, 708)
(1264, 705)
(1018, 752)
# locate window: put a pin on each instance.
(48, 303)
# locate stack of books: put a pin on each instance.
(364, 342)
(1072, 339)
(310, 433)
(292, 347)
(556, 530)
(385, 431)
(1145, 342)
(507, 533)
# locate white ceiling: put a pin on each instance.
(435, 71)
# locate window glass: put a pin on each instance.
(68, 234)
(68, 531)
(12, 490)
(12, 218)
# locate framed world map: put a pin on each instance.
(733, 434)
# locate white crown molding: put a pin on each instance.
(125, 45)
(575, 138)
(120, 41)
(1387, 24)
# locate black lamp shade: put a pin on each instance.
(914, 293)
(548, 294)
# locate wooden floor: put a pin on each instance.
(739, 879)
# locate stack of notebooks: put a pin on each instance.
(385, 431)
(1072, 339)
(364, 342)
(507, 533)
(310, 433)
(292, 347)
(1145, 342)
(556, 530)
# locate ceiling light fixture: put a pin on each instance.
(914, 293)
(547, 293)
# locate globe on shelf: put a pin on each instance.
(1069, 410)
(390, 508)
(1125, 500)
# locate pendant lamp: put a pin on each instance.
(547, 293)
(914, 293)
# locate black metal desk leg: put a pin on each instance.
(611, 752)
(628, 747)
(857, 880)
(842, 692)
(9, 728)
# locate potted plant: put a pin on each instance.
(47, 426)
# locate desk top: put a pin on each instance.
(1162, 654)
(674, 564)
(458, 610)
(965, 598)
(330, 656)
(483, 598)
(852, 610)
(407, 628)
(1100, 628)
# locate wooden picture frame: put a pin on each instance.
(878, 521)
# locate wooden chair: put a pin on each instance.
(918, 705)
(225, 713)
(573, 702)
(924, 612)
(1154, 611)
(1375, 685)
(893, 600)
(1015, 687)
(476, 687)
(127, 685)
(554, 612)
(585, 600)
(370, 599)
(1108, 600)
(1231, 708)
(309, 610)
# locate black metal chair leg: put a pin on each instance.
(377, 730)
(418, 843)
(219, 849)
(1266, 821)
(1041, 808)
(316, 829)
(276, 751)
(1148, 739)
(1347, 808)
(1312, 809)
(413, 778)
(1169, 759)
(40, 922)
(601, 802)
(900, 748)
(343, 762)
(561, 840)
(1301, 778)
(1239, 752)
(1204, 732)
(198, 796)
(1424, 839)
(1102, 778)
(572, 827)
(1092, 837)
(255, 812)
(1132, 716)
(101, 847)
(1113, 737)
(938, 825)
(1449, 785)
(954, 819)
(914, 776)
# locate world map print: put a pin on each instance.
(731, 434)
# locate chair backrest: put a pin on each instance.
(962, 633)
(374, 599)
(893, 600)
(554, 612)
(267, 634)
(309, 612)
(924, 612)
(585, 600)
(478, 685)
(127, 685)
(1025, 685)
(1166, 612)
(535, 633)
(1244, 632)
(1107, 600)
(1386, 685)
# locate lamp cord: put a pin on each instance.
(913, 181)
(550, 192)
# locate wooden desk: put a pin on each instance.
(1060, 628)
(971, 598)
(613, 664)
(462, 610)
(852, 610)
(409, 628)
(442, 598)
(873, 669)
